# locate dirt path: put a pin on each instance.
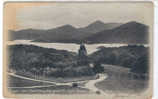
(55, 83)
(89, 85)
(31, 87)
(26, 78)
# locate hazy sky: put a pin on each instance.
(81, 14)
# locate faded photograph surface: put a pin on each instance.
(78, 48)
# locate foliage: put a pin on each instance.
(60, 63)
(134, 57)
(44, 61)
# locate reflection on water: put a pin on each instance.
(67, 46)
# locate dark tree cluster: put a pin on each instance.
(134, 57)
(33, 60)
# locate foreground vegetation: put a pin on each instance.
(116, 85)
(134, 57)
(62, 66)
(40, 61)
(34, 60)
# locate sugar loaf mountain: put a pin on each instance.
(96, 32)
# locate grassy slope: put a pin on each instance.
(118, 81)
(122, 85)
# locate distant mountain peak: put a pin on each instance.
(28, 29)
(97, 22)
(134, 23)
(67, 26)
(131, 32)
(98, 26)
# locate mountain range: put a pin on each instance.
(96, 32)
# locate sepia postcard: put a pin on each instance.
(78, 50)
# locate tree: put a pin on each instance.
(98, 68)
(141, 65)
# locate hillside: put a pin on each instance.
(98, 26)
(26, 34)
(33, 60)
(97, 32)
(134, 57)
(129, 33)
(64, 34)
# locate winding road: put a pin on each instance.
(90, 84)
(30, 87)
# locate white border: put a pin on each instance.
(155, 94)
(1, 46)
